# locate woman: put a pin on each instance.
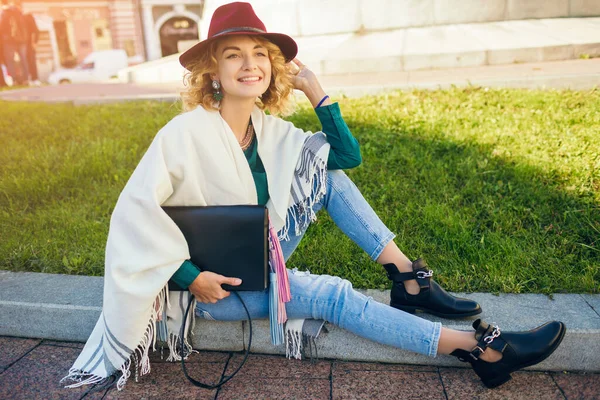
(226, 150)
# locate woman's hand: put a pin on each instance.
(306, 81)
(302, 77)
(207, 287)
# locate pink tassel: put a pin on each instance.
(278, 265)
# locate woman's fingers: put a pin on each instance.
(212, 297)
(297, 66)
(207, 286)
(231, 281)
(299, 63)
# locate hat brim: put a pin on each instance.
(288, 46)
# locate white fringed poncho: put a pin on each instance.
(194, 160)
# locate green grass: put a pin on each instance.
(498, 190)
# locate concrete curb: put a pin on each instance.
(65, 307)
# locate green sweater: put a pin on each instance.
(344, 154)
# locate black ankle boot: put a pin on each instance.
(431, 298)
(519, 350)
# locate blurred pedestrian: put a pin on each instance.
(13, 32)
(33, 36)
(2, 81)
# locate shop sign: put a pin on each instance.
(179, 27)
(75, 14)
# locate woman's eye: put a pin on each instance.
(261, 54)
(232, 56)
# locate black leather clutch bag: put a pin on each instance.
(228, 240)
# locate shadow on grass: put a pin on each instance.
(482, 221)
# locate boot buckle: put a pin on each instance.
(423, 274)
(476, 353)
(495, 333)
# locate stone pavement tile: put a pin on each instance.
(14, 348)
(349, 384)
(37, 376)
(202, 356)
(579, 386)
(166, 381)
(264, 366)
(462, 383)
(367, 366)
(275, 388)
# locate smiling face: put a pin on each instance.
(244, 67)
(273, 91)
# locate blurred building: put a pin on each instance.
(170, 26)
(72, 29)
(145, 29)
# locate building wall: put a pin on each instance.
(156, 13)
(93, 25)
(46, 49)
(126, 27)
(134, 25)
(300, 18)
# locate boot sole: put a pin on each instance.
(414, 309)
(497, 381)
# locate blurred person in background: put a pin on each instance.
(33, 36)
(2, 81)
(13, 33)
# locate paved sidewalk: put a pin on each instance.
(38, 305)
(573, 74)
(31, 369)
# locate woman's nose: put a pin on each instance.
(249, 64)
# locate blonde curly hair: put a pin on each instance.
(277, 99)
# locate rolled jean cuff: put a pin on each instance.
(382, 243)
(437, 331)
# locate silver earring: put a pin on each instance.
(217, 95)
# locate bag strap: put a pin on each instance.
(225, 378)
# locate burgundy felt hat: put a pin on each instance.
(239, 19)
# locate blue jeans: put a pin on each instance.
(331, 298)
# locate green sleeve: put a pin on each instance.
(345, 151)
(186, 274)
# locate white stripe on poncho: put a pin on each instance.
(194, 160)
